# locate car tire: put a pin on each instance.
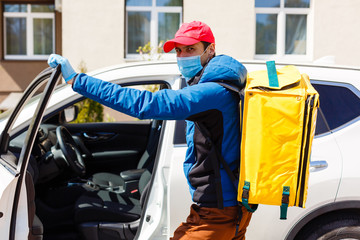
(332, 227)
(342, 233)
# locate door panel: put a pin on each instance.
(14, 222)
(7, 190)
(111, 147)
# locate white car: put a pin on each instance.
(50, 168)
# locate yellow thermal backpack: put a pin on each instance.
(279, 110)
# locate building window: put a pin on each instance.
(282, 28)
(151, 21)
(29, 31)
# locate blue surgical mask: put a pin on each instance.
(190, 66)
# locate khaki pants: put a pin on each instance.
(213, 223)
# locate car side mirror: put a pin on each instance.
(71, 113)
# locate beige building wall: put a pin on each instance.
(337, 31)
(334, 27)
(93, 32)
(232, 22)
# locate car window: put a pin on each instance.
(338, 106)
(321, 124)
(92, 111)
(180, 134)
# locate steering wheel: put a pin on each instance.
(69, 149)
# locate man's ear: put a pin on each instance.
(212, 49)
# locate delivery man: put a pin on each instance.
(215, 213)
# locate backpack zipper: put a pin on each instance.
(305, 154)
(267, 89)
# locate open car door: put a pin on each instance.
(17, 212)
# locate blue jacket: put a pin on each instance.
(206, 102)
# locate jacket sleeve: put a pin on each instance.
(165, 104)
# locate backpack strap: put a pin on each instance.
(231, 87)
(225, 165)
(245, 195)
(284, 202)
(245, 198)
(272, 74)
(230, 173)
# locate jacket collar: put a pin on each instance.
(196, 79)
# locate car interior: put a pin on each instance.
(88, 180)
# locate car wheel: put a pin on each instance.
(332, 227)
(348, 233)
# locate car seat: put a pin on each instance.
(108, 215)
(128, 180)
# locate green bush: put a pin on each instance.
(148, 52)
(89, 110)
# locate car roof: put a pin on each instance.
(315, 71)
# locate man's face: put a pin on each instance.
(194, 50)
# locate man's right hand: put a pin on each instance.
(66, 69)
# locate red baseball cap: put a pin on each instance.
(189, 34)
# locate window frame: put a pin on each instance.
(281, 12)
(29, 16)
(154, 24)
(349, 87)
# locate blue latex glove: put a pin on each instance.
(66, 69)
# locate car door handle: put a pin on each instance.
(318, 165)
(90, 137)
